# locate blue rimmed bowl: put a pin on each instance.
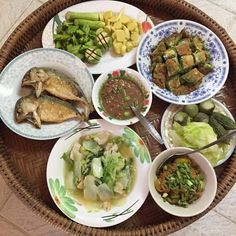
(212, 82)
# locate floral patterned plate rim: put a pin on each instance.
(108, 60)
(71, 206)
(120, 73)
(167, 121)
(11, 91)
(212, 82)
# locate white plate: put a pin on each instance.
(11, 91)
(70, 205)
(212, 82)
(108, 59)
(167, 121)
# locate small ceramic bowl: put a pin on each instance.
(210, 183)
(124, 74)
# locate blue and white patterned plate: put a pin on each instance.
(212, 82)
(11, 91)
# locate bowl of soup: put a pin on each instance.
(116, 90)
(101, 174)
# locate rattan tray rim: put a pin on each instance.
(22, 188)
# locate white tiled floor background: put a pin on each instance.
(17, 220)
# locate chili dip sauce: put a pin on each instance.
(118, 92)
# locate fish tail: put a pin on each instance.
(84, 107)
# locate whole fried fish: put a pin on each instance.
(57, 84)
(44, 109)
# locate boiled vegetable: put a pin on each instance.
(82, 15)
(101, 168)
(218, 128)
(225, 121)
(90, 23)
(198, 134)
(207, 106)
(181, 117)
(201, 117)
(93, 55)
(124, 31)
(104, 40)
(191, 110)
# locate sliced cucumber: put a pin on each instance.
(207, 107)
(181, 117)
(192, 110)
(201, 117)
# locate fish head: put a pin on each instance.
(26, 109)
(35, 78)
(35, 75)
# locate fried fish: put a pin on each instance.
(57, 84)
(45, 109)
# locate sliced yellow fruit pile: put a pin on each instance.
(125, 31)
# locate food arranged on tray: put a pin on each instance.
(46, 88)
(180, 181)
(99, 169)
(90, 34)
(103, 38)
(101, 174)
(197, 125)
(183, 61)
(179, 62)
(65, 101)
(115, 91)
(182, 185)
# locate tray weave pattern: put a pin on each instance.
(23, 162)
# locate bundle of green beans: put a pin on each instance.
(82, 34)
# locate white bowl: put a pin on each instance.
(138, 78)
(208, 194)
(212, 82)
(75, 209)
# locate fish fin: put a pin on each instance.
(84, 107)
(37, 120)
(38, 88)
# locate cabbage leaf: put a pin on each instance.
(196, 135)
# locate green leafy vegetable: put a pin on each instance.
(97, 168)
(101, 166)
(78, 36)
(66, 158)
(196, 135)
(112, 165)
(91, 146)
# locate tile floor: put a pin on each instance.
(17, 220)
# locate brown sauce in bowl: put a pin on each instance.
(117, 93)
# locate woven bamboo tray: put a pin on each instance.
(23, 161)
